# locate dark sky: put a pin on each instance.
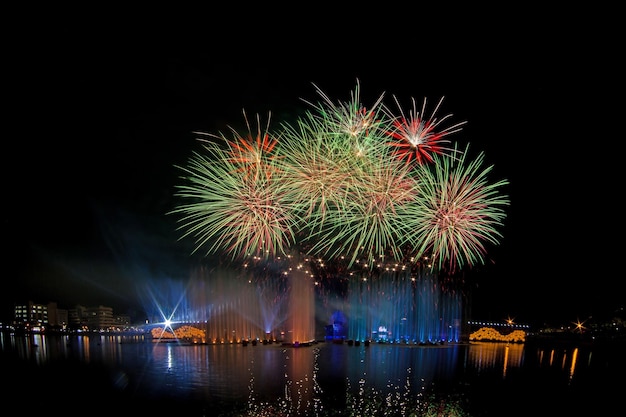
(101, 112)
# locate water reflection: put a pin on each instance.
(311, 378)
(573, 364)
(485, 355)
(562, 358)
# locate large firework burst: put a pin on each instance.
(236, 202)
(349, 190)
(332, 185)
(457, 210)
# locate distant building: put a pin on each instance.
(77, 318)
(122, 321)
(30, 316)
(97, 319)
(100, 318)
(57, 317)
(33, 317)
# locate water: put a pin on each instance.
(124, 374)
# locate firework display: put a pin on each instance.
(344, 180)
(354, 216)
(238, 204)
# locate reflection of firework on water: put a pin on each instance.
(333, 185)
(457, 211)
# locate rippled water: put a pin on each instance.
(491, 379)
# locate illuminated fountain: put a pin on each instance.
(276, 302)
(403, 309)
(397, 305)
(262, 301)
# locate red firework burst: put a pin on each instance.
(252, 153)
(418, 136)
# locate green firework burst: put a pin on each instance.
(332, 185)
(458, 210)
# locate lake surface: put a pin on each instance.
(129, 375)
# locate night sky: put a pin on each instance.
(101, 112)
